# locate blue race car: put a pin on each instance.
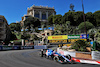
(52, 54)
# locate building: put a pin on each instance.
(41, 12)
(4, 30)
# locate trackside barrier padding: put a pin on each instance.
(86, 61)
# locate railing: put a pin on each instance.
(6, 47)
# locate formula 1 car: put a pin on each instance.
(51, 54)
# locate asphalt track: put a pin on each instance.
(30, 58)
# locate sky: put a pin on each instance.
(13, 10)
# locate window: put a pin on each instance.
(1, 20)
(43, 16)
(36, 15)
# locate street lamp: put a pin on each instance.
(84, 18)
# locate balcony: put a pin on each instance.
(2, 25)
(2, 32)
(2, 37)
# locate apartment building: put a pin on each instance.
(5, 32)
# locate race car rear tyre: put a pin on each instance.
(68, 56)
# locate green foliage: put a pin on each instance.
(92, 32)
(78, 17)
(57, 19)
(25, 36)
(18, 35)
(18, 27)
(34, 37)
(80, 45)
(90, 18)
(13, 37)
(88, 25)
(15, 27)
(97, 36)
(74, 17)
(97, 17)
(63, 28)
(69, 16)
(31, 22)
(50, 20)
(12, 26)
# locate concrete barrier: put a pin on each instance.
(73, 54)
(95, 55)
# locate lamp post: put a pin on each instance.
(84, 19)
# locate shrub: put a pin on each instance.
(80, 45)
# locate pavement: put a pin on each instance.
(31, 58)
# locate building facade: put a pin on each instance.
(41, 12)
(5, 32)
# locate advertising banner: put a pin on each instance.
(83, 36)
(58, 37)
(73, 36)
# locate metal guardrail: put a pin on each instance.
(5, 47)
(15, 47)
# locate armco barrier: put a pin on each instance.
(27, 47)
(7, 47)
(40, 47)
(0, 47)
(15, 47)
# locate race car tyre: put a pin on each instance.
(56, 59)
(41, 54)
(46, 56)
(68, 56)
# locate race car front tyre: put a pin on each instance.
(41, 54)
(56, 59)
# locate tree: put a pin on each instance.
(90, 18)
(63, 28)
(97, 36)
(25, 36)
(78, 17)
(92, 32)
(50, 20)
(18, 27)
(97, 17)
(88, 26)
(13, 36)
(12, 26)
(69, 16)
(31, 22)
(15, 27)
(57, 19)
(80, 45)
